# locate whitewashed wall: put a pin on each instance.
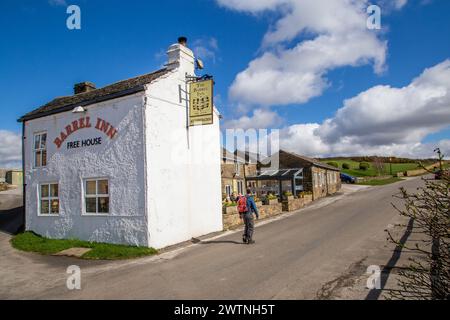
(184, 180)
(121, 160)
(165, 180)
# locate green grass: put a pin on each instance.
(380, 182)
(31, 242)
(356, 172)
(230, 204)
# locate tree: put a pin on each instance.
(378, 165)
(428, 275)
(363, 166)
(345, 165)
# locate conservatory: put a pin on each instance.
(278, 181)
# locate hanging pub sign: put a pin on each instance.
(201, 102)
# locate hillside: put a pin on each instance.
(371, 171)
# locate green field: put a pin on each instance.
(356, 172)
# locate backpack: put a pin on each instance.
(242, 204)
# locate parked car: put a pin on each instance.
(346, 178)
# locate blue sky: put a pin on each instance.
(41, 59)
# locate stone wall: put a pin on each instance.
(269, 210)
(228, 170)
(319, 190)
(325, 186)
(292, 204)
(418, 172)
(365, 179)
(251, 169)
(308, 198)
(231, 216)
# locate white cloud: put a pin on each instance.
(384, 114)
(400, 3)
(303, 139)
(206, 48)
(260, 119)
(10, 149)
(382, 120)
(285, 73)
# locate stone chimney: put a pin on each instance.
(83, 87)
(180, 56)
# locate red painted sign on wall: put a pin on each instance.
(83, 123)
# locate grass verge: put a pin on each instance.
(380, 182)
(31, 242)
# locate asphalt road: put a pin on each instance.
(11, 210)
(294, 258)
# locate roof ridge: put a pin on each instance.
(110, 91)
(116, 83)
(310, 159)
(131, 78)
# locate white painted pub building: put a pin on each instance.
(119, 164)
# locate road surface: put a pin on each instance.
(11, 210)
(304, 255)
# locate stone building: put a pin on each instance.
(295, 174)
(14, 177)
(319, 178)
(234, 170)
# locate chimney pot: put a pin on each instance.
(83, 87)
(182, 41)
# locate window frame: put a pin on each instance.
(240, 187)
(40, 149)
(49, 198)
(228, 188)
(237, 169)
(95, 196)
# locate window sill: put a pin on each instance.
(49, 215)
(95, 214)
